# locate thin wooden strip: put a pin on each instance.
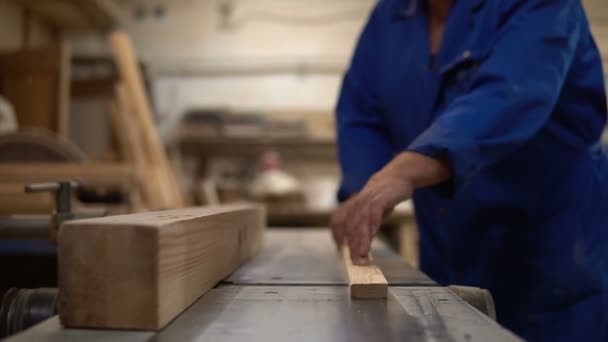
(94, 174)
(365, 282)
(64, 90)
(140, 271)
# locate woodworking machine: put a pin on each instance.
(296, 290)
(28, 259)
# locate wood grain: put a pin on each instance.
(365, 282)
(140, 271)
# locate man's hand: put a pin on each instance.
(358, 220)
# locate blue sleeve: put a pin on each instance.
(363, 146)
(512, 93)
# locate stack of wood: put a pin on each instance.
(36, 82)
(138, 138)
(44, 75)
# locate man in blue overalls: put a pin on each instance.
(488, 113)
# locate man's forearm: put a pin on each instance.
(360, 218)
(420, 170)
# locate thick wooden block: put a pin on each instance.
(365, 282)
(140, 271)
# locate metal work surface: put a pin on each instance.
(52, 331)
(302, 313)
(307, 313)
(295, 291)
(309, 257)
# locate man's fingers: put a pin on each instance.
(376, 217)
(360, 235)
(356, 228)
(353, 245)
(363, 246)
(351, 217)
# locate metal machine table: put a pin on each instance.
(295, 290)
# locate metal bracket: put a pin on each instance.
(63, 200)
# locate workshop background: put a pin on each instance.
(229, 100)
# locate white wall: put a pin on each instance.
(198, 57)
(269, 92)
(265, 55)
(11, 23)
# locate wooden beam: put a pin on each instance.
(92, 174)
(365, 282)
(130, 74)
(147, 175)
(125, 142)
(63, 90)
(140, 271)
(26, 28)
(42, 74)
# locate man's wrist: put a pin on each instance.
(421, 170)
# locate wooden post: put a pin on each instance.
(124, 124)
(129, 71)
(125, 141)
(26, 28)
(64, 90)
(140, 271)
(365, 282)
(37, 83)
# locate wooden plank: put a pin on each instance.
(63, 90)
(32, 61)
(26, 28)
(129, 71)
(93, 174)
(140, 271)
(121, 134)
(41, 74)
(155, 195)
(14, 201)
(365, 282)
(125, 141)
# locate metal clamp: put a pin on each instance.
(63, 200)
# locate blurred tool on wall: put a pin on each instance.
(273, 186)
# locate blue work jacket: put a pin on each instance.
(515, 101)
